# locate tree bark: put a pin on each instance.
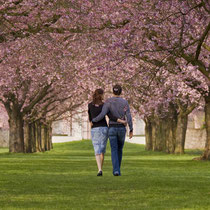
(37, 137)
(27, 139)
(16, 135)
(155, 134)
(154, 141)
(206, 154)
(165, 135)
(42, 137)
(181, 133)
(159, 135)
(48, 137)
(171, 138)
(148, 134)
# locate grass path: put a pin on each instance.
(65, 178)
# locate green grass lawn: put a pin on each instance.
(65, 178)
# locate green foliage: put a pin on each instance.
(65, 178)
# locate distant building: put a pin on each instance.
(4, 127)
(196, 132)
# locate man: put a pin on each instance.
(119, 108)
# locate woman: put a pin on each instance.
(99, 130)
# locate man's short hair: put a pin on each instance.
(117, 89)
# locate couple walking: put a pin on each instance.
(118, 111)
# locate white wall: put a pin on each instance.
(4, 138)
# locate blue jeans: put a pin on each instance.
(116, 139)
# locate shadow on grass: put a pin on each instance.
(194, 152)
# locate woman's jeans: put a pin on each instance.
(116, 139)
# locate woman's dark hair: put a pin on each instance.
(98, 96)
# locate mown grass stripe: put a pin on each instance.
(65, 178)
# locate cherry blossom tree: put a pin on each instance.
(94, 40)
(161, 98)
(180, 31)
(37, 85)
(39, 44)
(166, 33)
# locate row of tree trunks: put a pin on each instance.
(28, 137)
(37, 137)
(167, 134)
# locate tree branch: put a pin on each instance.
(201, 40)
(38, 98)
(195, 62)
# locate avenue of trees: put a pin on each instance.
(54, 53)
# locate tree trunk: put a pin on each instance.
(48, 137)
(37, 137)
(172, 122)
(181, 133)
(16, 136)
(159, 135)
(154, 142)
(162, 134)
(42, 137)
(171, 138)
(206, 154)
(148, 134)
(50, 146)
(27, 138)
(157, 139)
(165, 130)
